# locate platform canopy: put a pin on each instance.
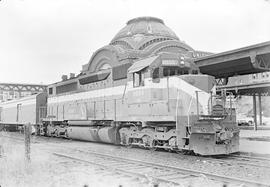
(246, 60)
(262, 88)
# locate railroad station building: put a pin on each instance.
(143, 37)
(140, 38)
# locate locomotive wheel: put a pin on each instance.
(148, 141)
(152, 146)
(48, 133)
(169, 150)
(183, 152)
(187, 152)
(66, 134)
(129, 143)
(152, 149)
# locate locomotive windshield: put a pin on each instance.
(166, 71)
(174, 67)
(171, 71)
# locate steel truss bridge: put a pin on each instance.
(33, 88)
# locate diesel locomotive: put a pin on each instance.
(165, 103)
(144, 90)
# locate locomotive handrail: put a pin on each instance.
(124, 92)
(177, 105)
(189, 109)
(197, 102)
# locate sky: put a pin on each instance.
(41, 40)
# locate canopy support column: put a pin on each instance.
(260, 108)
(254, 112)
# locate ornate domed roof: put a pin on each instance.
(140, 38)
(145, 26)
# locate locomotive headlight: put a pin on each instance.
(182, 62)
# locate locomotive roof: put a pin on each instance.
(21, 99)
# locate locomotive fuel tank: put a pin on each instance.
(83, 133)
(91, 131)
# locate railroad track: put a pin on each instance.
(118, 168)
(252, 160)
(243, 160)
(248, 157)
(157, 172)
(141, 169)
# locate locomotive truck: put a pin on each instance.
(163, 102)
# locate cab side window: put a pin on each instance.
(138, 79)
(50, 91)
(156, 73)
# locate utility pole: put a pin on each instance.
(27, 137)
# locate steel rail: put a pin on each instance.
(250, 157)
(191, 172)
(130, 173)
(242, 160)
